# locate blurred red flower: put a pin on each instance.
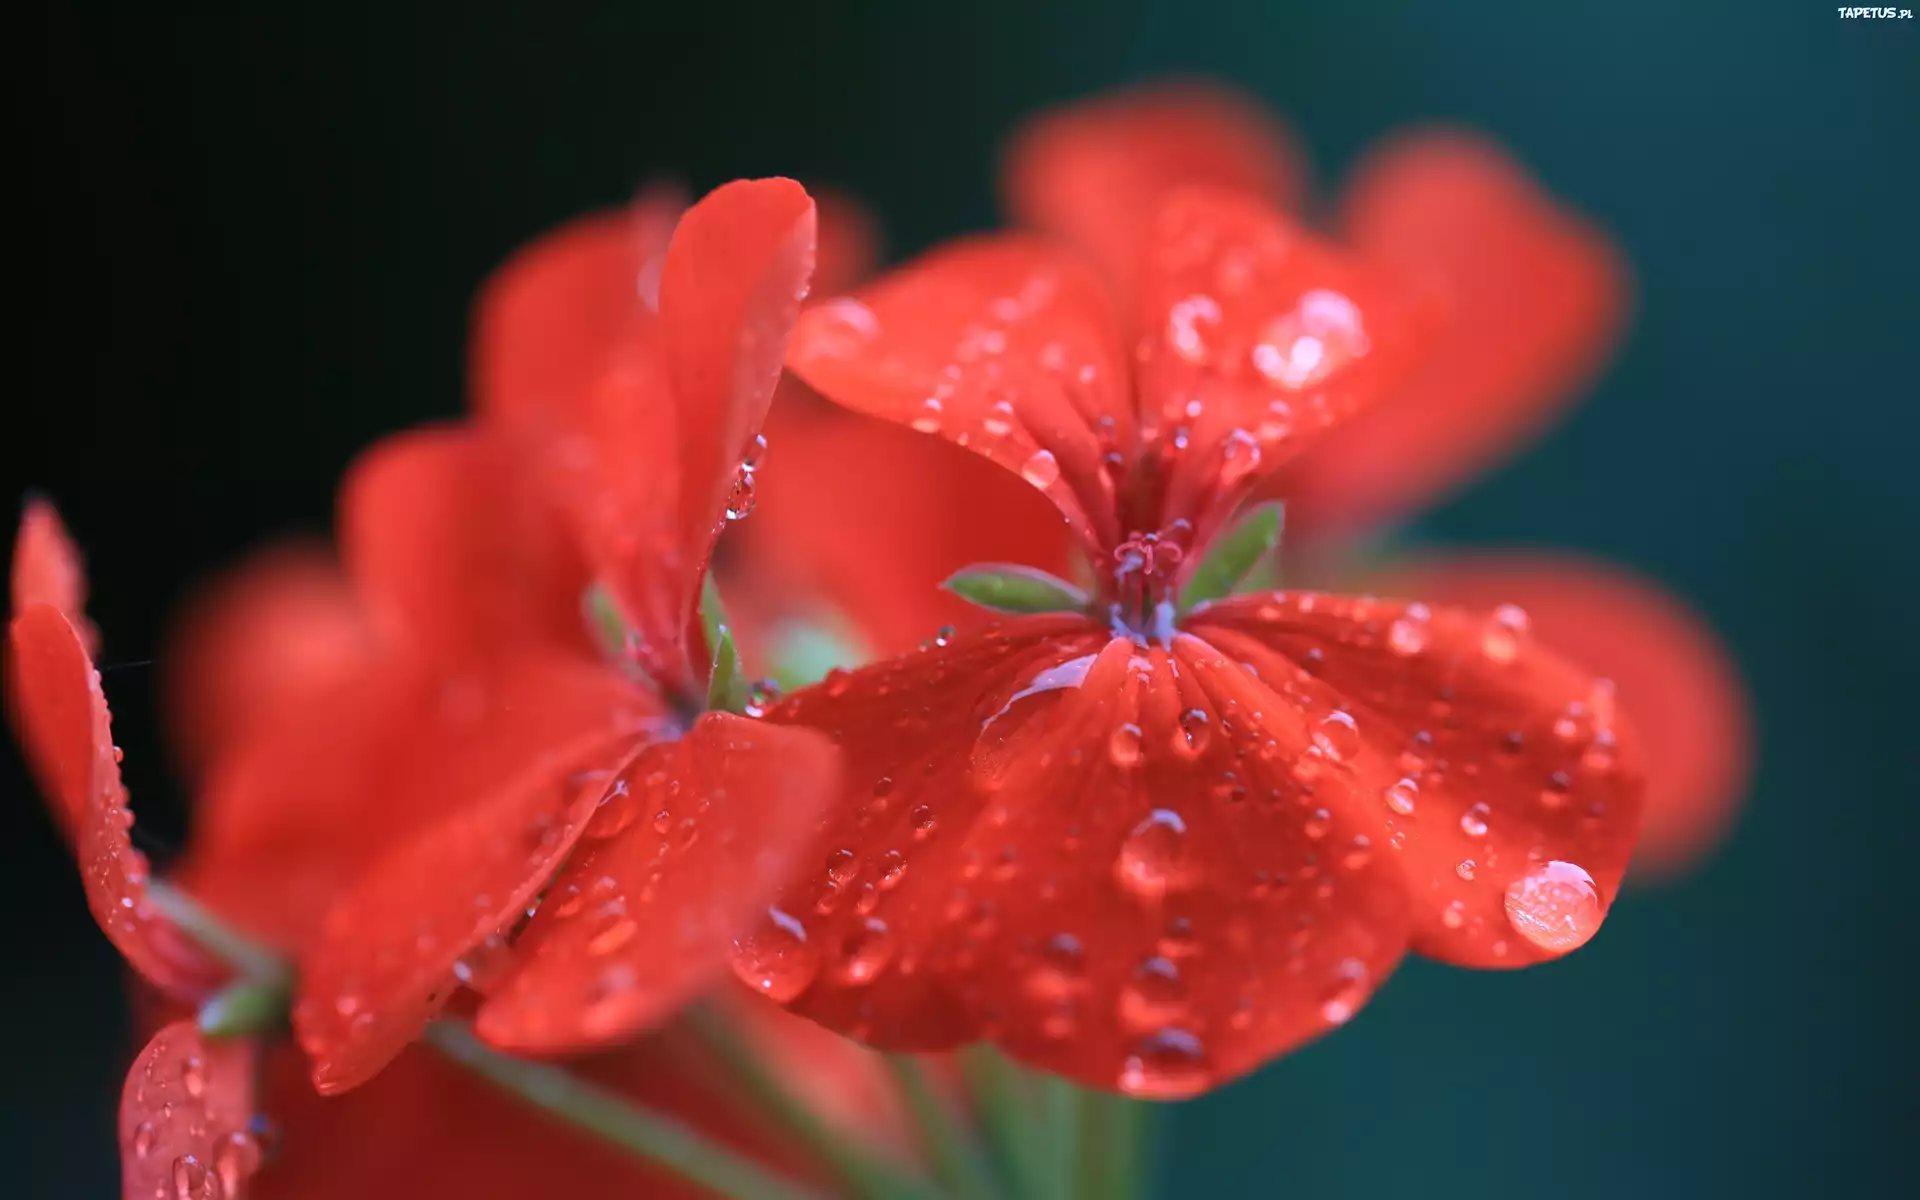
(1151, 843)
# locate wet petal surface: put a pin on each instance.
(185, 1116)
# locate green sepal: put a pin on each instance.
(248, 1007)
(1011, 588)
(1233, 554)
(727, 683)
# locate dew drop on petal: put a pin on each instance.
(1168, 1064)
(1401, 796)
(1154, 857)
(1505, 630)
(865, 952)
(1348, 991)
(190, 1179)
(775, 958)
(1408, 635)
(235, 1161)
(1555, 906)
(1337, 736)
(1473, 822)
(193, 1076)
(143, 1139)
(1153, 998)
(1041, 470)
(1123, 745)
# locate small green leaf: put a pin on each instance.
(727, 686)
(1233, 554)
(248, 1007)
(1011, 588)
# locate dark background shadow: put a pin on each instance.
(246, 241)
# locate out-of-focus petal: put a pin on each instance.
(184, 1116)
(873, 518)
(511, 774)
(1110, 869)
(1257, 340)
(1676, 681)
(278, 631)
(1095, 173)
(1534, 296)
(849, 242)
(68, 735)
(1004, 345)
(453, 552)
(698, 834)
(552, 318)
(1502, 784)
(47, 568)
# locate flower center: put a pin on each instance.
(1141, 601)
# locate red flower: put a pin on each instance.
(1535, 299)
(1151, 843)
(387, 810)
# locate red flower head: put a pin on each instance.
(389, 811)
(1155, 840)
(1534, 298)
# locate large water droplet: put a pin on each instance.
(1505, 630)
(1155, 856)
(1041, 470)
(1337, 736)
(740, 502)
(1123, 745)
(1555, 906)
(191, 1180)
(143, 1139)
(775, 958)
(1401, 796)
(1168, 1064)
(865, 952)
(483, 967)
(1154, 998)
(1473, 822)
(235, 1161)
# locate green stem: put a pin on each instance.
(649, 1135)
(1005, 1106)
(1117, 1158)
(1060, 1102)
(957, 1156)
(250, 959)
(866, 1174)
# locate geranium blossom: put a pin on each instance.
(1152, 843)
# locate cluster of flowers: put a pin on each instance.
(1135, 814)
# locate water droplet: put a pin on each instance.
(190, 1179)
(776, 959)
(1061, 970)
(235, 1161)
(1317, 824)
(1473, 822)
(1409, 634)
(843, 866)
(143, 1138)
(1400, 797)
(1454, 915)
(740, 502)
(1464, 869)
(193, 1076)
(1505, 630)
(756, 454)
(865, 952)
(1196, 731)
(1555, 906)
(1041, 470)
(1349, 991)
(1337, 736)
(1555, 793)
(1123, 745)
(999, 419)
(483, 967)
(1154, 856)
(1154, 998)
(893, 868)
(924, 822)
(1168, 1064)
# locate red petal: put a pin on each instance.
(554, 317)
(849, 242)
(1536, 298)
(1135, 890)
(1003, 345)
(1496, 775)
(871, 519)
(705, 828)
(281, 630)
(1676, 681)
(1095, 173)
(1256, 340)
(47, 568)
(500, 786)
(68, 736)
(183, 1119)
(453, 553)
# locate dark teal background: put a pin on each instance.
(246, 239)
